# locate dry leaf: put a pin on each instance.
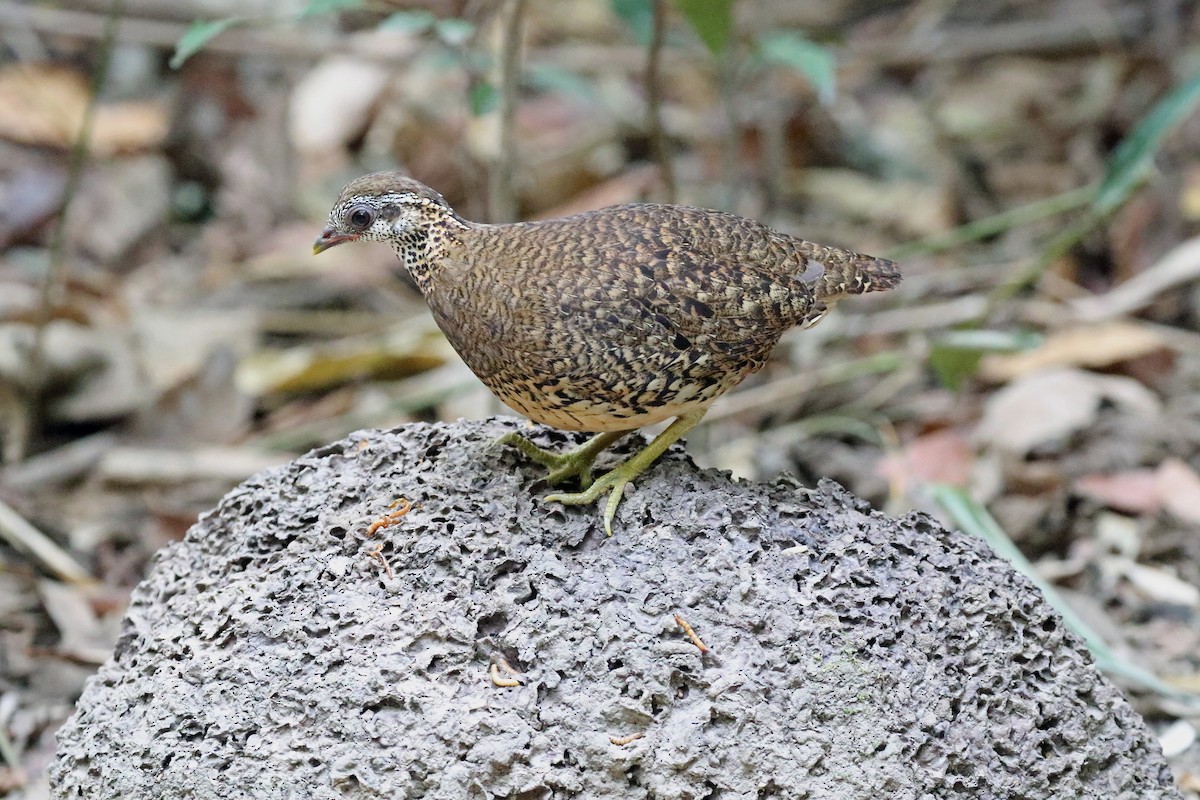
(943, 456)
(85, 635)
(631, 186)
(398, 354)
(356, 83)
(1132, 491)
(1179, 489)
(1173, 486)
(1089, 346)
(1047, 407)
(1160, 586)
(1178, 737)
(1189, 781)
(44, 105)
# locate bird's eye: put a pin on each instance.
(361, 217)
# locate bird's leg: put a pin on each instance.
(577, 463)
(613, 482)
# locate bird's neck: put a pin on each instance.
(423, 248)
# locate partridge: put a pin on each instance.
(609, 320)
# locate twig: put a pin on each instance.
(501, 662)
(54, 283)
(20, 534)
(1181, 265)
(621, 741)
(654, 123)
(1058, 36)
(60, 465)
(392, 517)
(696, 640)
(502, 202)
(730, 142)
(376, 552)
(773, 122)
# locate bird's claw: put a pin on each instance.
(612, 483)
(562, 466)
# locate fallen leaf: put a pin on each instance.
(44, 105)
(1160, 586)
(1134, 491)
(356, 83)
(1044, 408)
(943, 456)
(631, 186)
(1173, 486)
(1088, 346)
(1179, 488)
(85, 635)
(1178, 737)
(398, 354)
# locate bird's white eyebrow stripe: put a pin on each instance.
(381, 201)
(396, 198)
(392, 198)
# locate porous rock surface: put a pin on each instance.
(269, 655)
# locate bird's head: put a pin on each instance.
(384, 207)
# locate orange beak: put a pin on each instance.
(329, 238)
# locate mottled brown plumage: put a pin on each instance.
(612, 319)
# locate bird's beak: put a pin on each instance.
(328, 238)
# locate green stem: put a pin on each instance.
(997, 223)
(54, 282)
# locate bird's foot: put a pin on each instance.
(563, 466)
(614, 481)
(611, 483)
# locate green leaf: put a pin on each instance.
(483, 97)
(956, 356)
(1133, 155)
(453, 31)
(199, 34)
(417, 21)
(316, 8)
(953, 366)
(638, 15)
(813, 61)
(712, 20)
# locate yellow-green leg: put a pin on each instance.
(613, 482)
(577, 463)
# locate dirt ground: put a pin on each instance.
(1034, 167)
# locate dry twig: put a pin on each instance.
(654, 123)
(502, 200)
(392, 517)
(621, 741)
(498, 663)
(683, 623)
(54, 282)
(376, 553)
(23, 536)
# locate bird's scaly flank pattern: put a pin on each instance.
(609, 320)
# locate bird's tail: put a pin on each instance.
(847, 273)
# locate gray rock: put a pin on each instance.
(851, 655)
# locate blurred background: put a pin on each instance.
(1035, 166)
